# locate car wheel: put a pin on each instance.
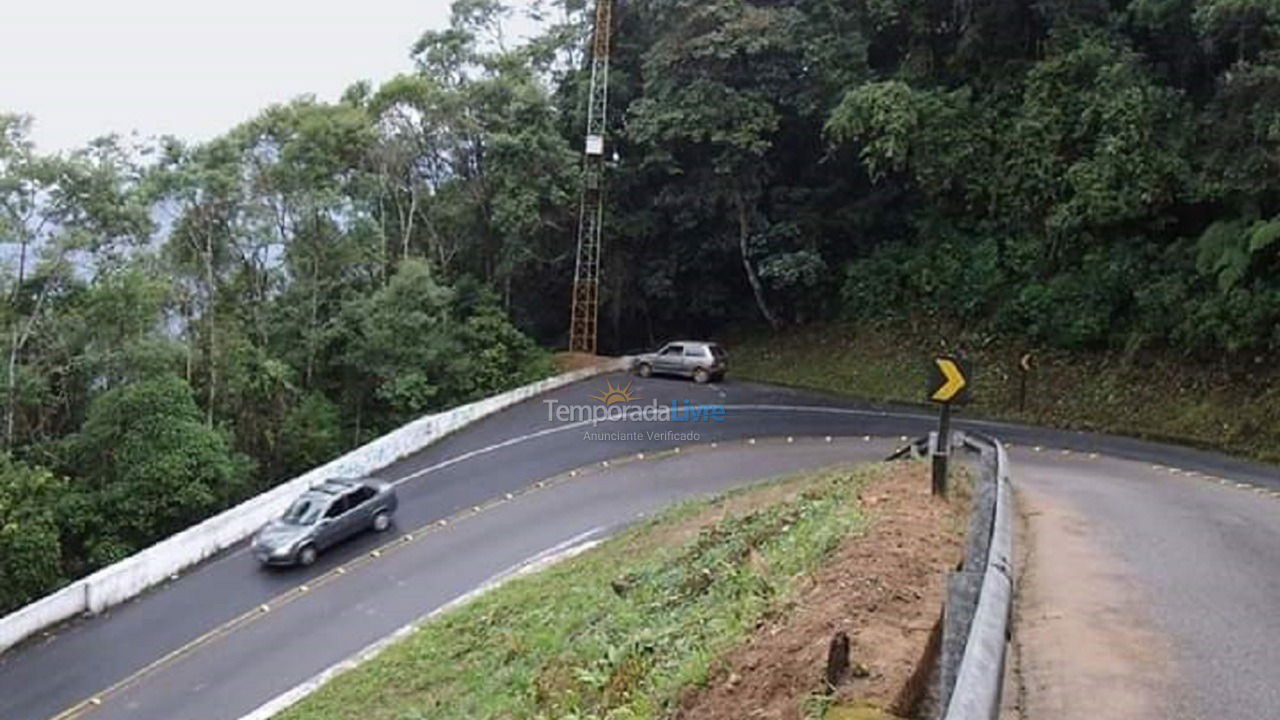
(381, 521)
(644, 370)
(701, 376)
(307, 555)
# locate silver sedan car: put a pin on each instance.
(702, 361)
(322, 517)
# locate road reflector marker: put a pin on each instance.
(1242, 485)
(866, 438)
(375, 553)
(303, 588)
(264, 608)
(341, 570)
(828, 438)
(1065, 451)
(95, 701)
(790, 439)
(1038, 449)
(510, 495)
(408, 537)
(639, 456)
(751, 441)
(605, 463)
(713, 445)
(1093, 456)
(677, 450)
(903, 438)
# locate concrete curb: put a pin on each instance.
(162, 561)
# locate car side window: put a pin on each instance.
(336, 508)
(695, 352)
(675, 350)
(361, 495)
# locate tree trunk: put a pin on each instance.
(213, 327)
(315, 319)
(408, 225)
(744, 233)
(11, 395)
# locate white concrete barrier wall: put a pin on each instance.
(133, 575)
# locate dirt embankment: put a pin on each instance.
(884, 588)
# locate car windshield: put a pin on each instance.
(304, 511)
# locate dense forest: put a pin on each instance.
(186, 324)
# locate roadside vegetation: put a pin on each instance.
(1147, 394)
(1099, 180)
(620, 631)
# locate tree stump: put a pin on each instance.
(837, 661)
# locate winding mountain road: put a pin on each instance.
(228, 636)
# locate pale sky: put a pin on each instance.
(192, 68)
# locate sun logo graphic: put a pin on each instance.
(614, 395)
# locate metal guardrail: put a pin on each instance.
(972, 671)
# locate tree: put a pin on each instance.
(30, 538)
(716, 87)
(150, 466)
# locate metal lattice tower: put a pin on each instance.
(586, 275)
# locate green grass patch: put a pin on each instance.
(1233, 407)
(618, 632)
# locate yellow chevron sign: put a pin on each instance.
(948, 382)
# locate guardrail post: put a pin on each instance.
(942, 452)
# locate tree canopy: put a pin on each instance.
(184, 324)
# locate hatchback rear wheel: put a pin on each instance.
(701, 376)
(381, 521)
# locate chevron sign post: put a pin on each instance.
(948, 384)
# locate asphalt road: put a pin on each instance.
(236, 669)
(1182, 577)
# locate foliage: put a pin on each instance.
(30, 538)
(1083, 175)
(1152, 394)
(312, 433)
(149, 466)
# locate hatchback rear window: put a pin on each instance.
(717, 351)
